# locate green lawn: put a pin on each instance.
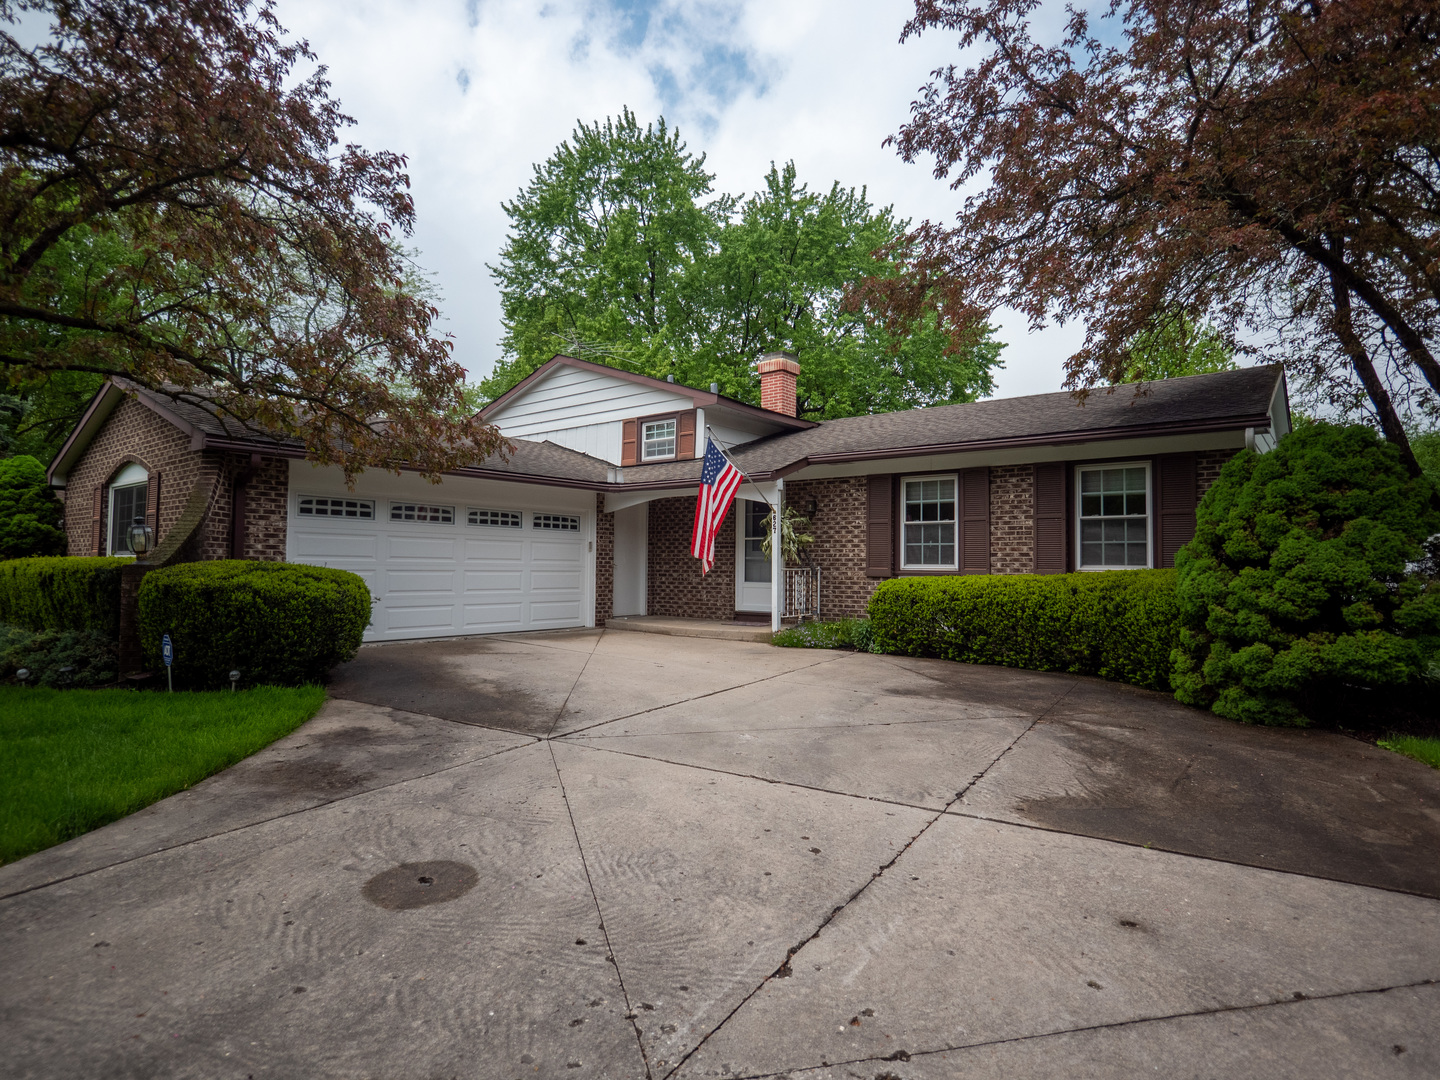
(72, 760)
(1426, 750)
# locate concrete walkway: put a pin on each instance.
(600, 854)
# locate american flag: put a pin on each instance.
(719, 481)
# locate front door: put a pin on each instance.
(752, 570)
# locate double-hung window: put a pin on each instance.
(127, 506)
(929, 523)
(657, 440)
(1114, 517)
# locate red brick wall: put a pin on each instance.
(1012, 519)
(674, 586)
(1208, 464)
(604, 562)
(132, 433)
(267, 497)
(838, 526)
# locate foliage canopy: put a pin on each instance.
(1269, 168)
(176, 208)
(620, 251)
(30, 515)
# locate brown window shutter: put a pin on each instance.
(97, 522)
(152, 504)
(1050, 517)
(630, 443)
(685, 435)
(1174, 505)
(879, 526)
(975, 521)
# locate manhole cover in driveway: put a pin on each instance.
(418, 884)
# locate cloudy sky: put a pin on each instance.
(475, 92)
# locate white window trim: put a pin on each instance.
(371, 520)
(398, 504)
(1144, 463)
(126, 478)
(674, 423)
(954, 478)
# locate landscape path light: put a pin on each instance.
(22, 674)
(234, 678)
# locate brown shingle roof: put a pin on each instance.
(1226, 399)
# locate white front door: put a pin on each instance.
(752, 567)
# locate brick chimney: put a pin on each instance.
(779, 373)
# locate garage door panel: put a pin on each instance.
(565, 613)
(436, 617)
(553, 580)
(412, 581)
(422, 547)
(510, 581)
(494, 550)
(483, 617)
(335, 545)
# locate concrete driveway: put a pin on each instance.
(601, 854)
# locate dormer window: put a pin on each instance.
(658, 439)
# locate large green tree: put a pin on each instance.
(621, 251)
(177, 208)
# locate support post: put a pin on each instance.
(777, 558)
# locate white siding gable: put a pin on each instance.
(570, 398)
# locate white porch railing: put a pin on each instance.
(802, 593)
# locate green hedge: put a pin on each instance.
(62, 594)
(280, 624)
(1119, 624)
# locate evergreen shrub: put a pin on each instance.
(30, 515)
(80, 594)
(61, 658)
(1305, 584)
(280, 624)
(1118, 624)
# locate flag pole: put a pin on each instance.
(710, 434)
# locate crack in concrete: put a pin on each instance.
(599, 913)
(570, 693)
(911, 1055)
(784, 971)
(804, 727)
(534, 740)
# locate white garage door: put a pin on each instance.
(439, 570)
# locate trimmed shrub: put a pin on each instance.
(1118, 624)
(29, 512)
(1303, 585)
(62, 658)
(62, 594)
(280, 624)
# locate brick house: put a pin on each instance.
(590, 517)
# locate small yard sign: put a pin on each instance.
(167, 653)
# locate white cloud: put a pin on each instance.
(475, 92)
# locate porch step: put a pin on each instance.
(702, 628)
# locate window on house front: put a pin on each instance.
(929, 524)
(1114, 518)
(127, 508)
(658, 439)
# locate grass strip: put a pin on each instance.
(73, 760)
(1426, 750)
